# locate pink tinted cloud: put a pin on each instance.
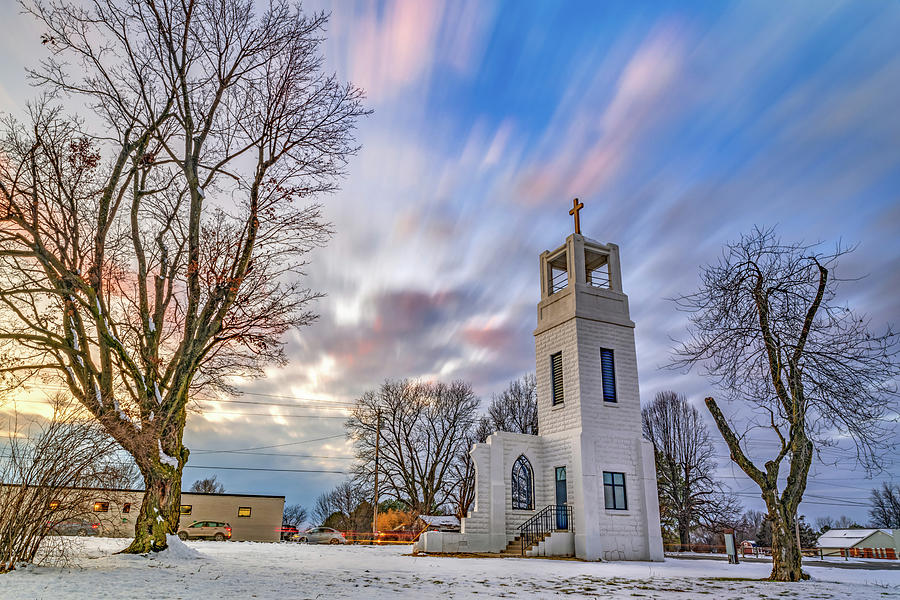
(599, 141)
(489, 337)
(393, 49)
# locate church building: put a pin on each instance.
(586, 486)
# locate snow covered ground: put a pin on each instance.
(206, 570)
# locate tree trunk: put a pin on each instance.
(160, 510)
(684, 535)
(786, 559)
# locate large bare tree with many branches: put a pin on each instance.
(154, 249)
(767, 329)
(689, 494)
(423, 430)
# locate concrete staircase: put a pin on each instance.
(514, 548)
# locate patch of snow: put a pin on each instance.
(110, 331)
(122, 414)
(166, 459)
(156, 392)
(98, 394)
(71, 372)
(150, 325)
(178, 551)
(77, 346)
(237, 570)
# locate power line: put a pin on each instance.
(320, 405)
(284, 397)
(841, 503)
(279, 454)
(329, 437)
(335, 403)
(264, 469)
(243, 414)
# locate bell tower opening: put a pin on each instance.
(596, 268)
(557, 272)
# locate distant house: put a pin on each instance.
(437, 523)
(113, 512)
(858, 543)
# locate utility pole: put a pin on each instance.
(377, 457)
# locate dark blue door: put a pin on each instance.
(562, 521)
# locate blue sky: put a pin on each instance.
(679, 125)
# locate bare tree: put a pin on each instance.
(463, 470)
(768, 331)
(424, 430)
(845, 522)
(208, 485)
(515, 408)
(749, 525)
(689, 495)
(885, 511)
(294, 515)
(828, 522)
(161, 256)
(345, 508)
(47, 472)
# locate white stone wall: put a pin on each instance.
(566, 416)
(584, 434)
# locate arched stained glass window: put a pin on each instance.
(522, 484)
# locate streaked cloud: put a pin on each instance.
(678, 126)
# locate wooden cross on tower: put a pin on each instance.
(576, 206)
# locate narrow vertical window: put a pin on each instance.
(522, 484)
(608, 370)
(556, 375)
(614, 491)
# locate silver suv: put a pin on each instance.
(207, 530)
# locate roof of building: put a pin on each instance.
(846, 538)
(183, 493)
(440, 520)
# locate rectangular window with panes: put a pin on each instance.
(614, 491)
(243, 511)
(608, 371)
(186, 509)
(556, 377)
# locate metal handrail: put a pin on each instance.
(558, 281)
(546, 521)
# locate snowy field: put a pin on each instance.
(206, 570)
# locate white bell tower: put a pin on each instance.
(589, 409)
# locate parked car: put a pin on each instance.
(199, 530)
(322, 535)
(75, 527)
(289, 533)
